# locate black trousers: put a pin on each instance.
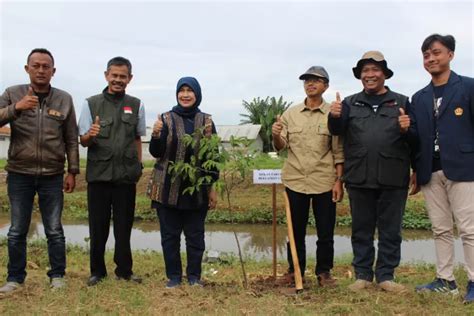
(172, 223)
(324, 210)
(105, 201)
(382, 209)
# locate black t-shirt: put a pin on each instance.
(437, 99)
(41, 96)
(375, 100)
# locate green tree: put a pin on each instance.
(264, 112)
(233, 164)
(236, 167)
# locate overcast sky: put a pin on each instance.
(237, 50)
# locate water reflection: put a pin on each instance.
(256, 240)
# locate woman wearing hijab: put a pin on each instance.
(177, 211)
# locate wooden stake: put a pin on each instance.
(294, 254)
(274, 248)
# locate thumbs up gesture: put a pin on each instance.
(157, 127)
(403, 121)
(28, 102)
(277, 127)
(336, 106)
(94, 130)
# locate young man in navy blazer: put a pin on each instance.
(444, 123)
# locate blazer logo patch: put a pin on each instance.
(458, 111)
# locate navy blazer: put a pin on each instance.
(455, 124)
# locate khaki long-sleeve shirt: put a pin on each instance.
(312, 151)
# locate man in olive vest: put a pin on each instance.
(110, 125)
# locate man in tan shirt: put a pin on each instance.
(312, 173)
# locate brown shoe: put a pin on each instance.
(391, 286)
(325, 279)
(359, 285)
(288, 279)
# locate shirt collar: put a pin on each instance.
(323, 108)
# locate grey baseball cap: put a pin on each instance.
(315, 71)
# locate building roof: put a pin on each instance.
(224, 131)
(248, 130)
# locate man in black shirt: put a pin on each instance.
(374, 124)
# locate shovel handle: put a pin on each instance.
(291, 237)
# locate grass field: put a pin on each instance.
(223, 293)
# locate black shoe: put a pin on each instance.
(94, 280)
(173, 283)
(195, 282)
(131, 277)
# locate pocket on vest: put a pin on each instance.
(105, 127)
(99, 164)
(132, 166)
(355, 166)
(130, 122)
(393, 170)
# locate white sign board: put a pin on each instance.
(267, 176)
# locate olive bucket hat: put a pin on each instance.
(374, 57)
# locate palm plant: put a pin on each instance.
(264, 112)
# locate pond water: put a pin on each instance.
(255, 240)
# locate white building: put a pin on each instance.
(249, 131)
(4, 142)
(224, 131)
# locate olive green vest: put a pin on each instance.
(113, 157)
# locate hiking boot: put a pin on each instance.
(359, 285)
(392, 287)
(58, 283)
(9, 287)
(325, 279)
(469, 297)
(439, 286)
(131, 277)
(172, 284)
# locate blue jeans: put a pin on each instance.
(173, 222)
(21, 192)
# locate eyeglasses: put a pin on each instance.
(314, 80)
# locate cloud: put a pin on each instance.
(237, 50)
